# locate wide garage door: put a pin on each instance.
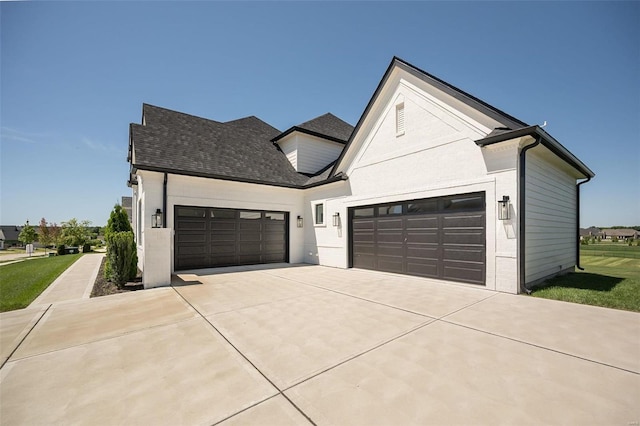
(437, 237)
(212, 237)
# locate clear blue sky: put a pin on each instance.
(74, 75)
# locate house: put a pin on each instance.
(590, 232)
(126, 204)
(431, 182)
(10, 235)
(620, 234)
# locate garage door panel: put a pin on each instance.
(463, 237)
(422, 252)
(222, 225)
(190, 225)
(415, 237)
(422, 222)
(362, 224)
(211, 237)
(469, 255)
(463, 221)
(423, 269)
(467, 272)
(364, 261)
(388, 264)
(390, 237)
(442, 237)
(389, 224)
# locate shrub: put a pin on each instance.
(86, 248)
(61, 249)
(120, 254)
(119, 222)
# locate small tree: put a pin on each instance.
(120, 253)
(75, 233)
(44, 234)
(27, 234)
(119, 222)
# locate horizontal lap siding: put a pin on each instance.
(550, 229)
(315, 154)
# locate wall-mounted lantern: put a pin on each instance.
(503, 208)
(299, 222)
(336, 219)
(156, 219)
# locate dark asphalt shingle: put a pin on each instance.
(239, 149)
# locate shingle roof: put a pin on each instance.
(241, 150)
(326, 126)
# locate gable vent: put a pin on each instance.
(400, 119)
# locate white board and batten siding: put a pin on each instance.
(550, 221)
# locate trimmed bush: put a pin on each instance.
(61, 250)
(120, 253)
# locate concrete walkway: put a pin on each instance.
(74, 283)
(316, 345)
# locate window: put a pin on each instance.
(274, 216)
(400, 119)
(319, 214)
(250, 215)
(363, 212)
(387, 210)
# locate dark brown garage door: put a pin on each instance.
(437, 237)
(212, 237)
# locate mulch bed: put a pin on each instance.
(102, 287)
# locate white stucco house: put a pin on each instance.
(431, 182)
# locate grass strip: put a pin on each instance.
(22, 282)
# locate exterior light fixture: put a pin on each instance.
(156, 219)
(299, 222)
(503, 208)
(336, 219)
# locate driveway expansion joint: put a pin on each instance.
(25, 336)
(280, 391)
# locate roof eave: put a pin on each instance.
(545, 139)
(308, 132)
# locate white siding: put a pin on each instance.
(309, 154)
(550, 218)
(314, 154)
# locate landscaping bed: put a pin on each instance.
(103, 287)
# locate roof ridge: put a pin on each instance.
(144, 104)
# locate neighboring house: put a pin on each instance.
(418, 187)
(11, 233)
(590, 232)
(126, 205)
(621, 234)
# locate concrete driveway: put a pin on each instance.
(310, 344)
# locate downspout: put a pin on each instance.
(578, 222)
(164, 200)
(521, 213)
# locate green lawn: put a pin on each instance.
(22, 282)
(612, 282)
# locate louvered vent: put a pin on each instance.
(400, 119)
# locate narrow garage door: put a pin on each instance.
(437, 237)
(212, 237)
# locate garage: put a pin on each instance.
(440, 237)
(208, 237)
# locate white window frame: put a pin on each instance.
(315, 217)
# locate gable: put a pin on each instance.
(431, 106)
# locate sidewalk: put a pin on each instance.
(74, 283)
